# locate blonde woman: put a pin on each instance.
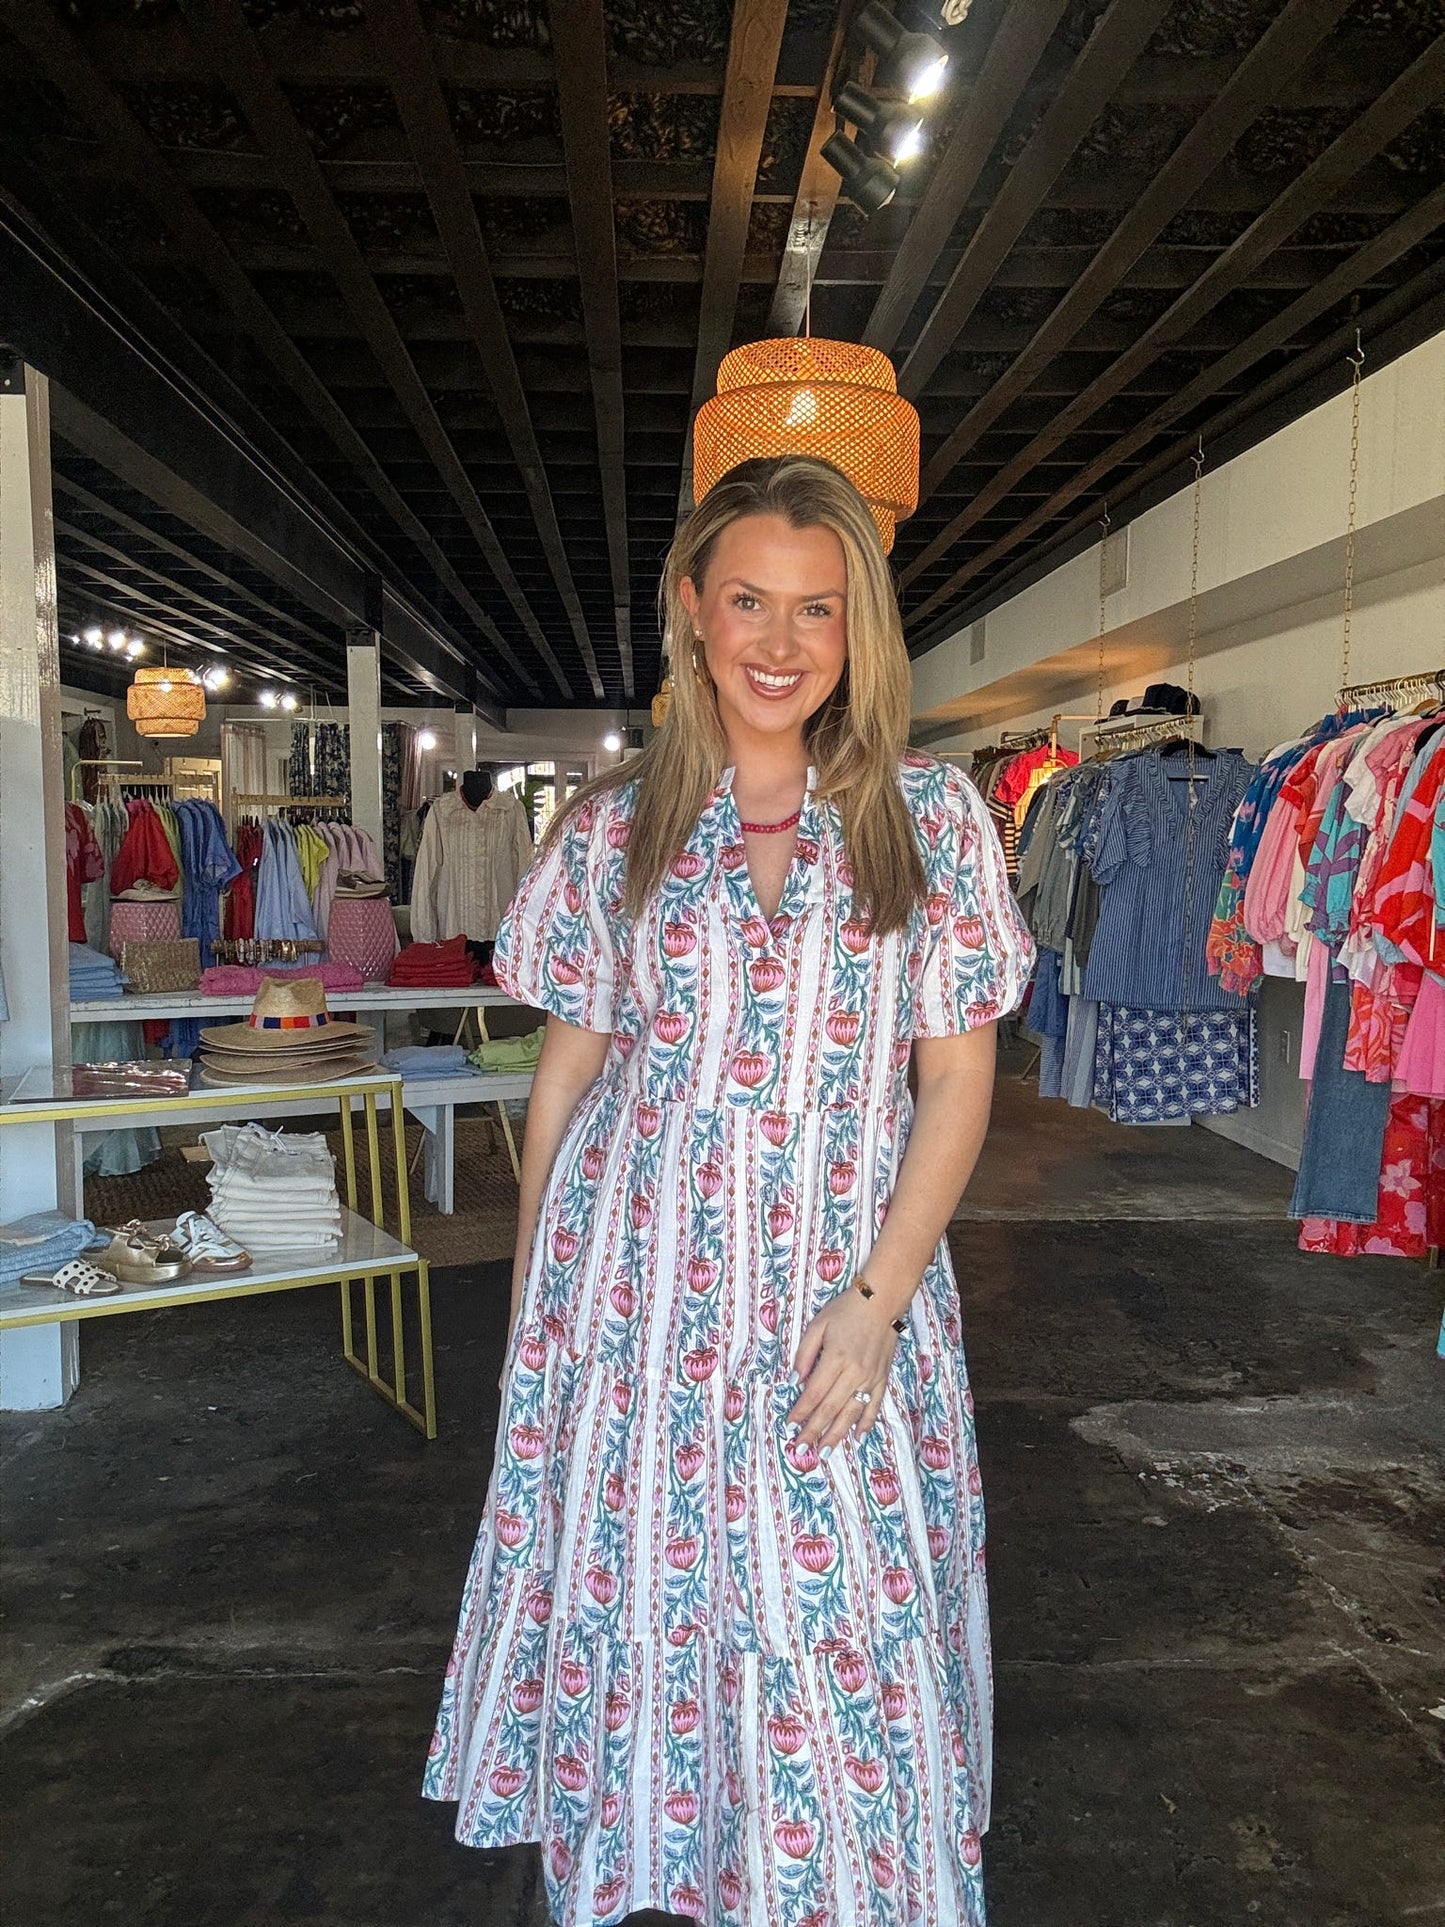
(723, 1646)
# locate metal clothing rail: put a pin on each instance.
(276, 801)
(1119, 742)
(1429, 682)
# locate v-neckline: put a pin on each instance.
(740, 876)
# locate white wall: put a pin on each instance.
(1270, 621)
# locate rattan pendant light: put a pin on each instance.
(801, 395)
(166, 702)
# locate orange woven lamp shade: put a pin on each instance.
(803, 396)
(166, 702)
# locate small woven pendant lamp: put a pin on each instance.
(166, 702)
(801, 395)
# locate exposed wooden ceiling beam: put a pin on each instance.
(1287, 44)
(134, 156)
(1015, 50)
(1111, 49)
(1416, 89)
(579, 36)
(753, 44)
(818, 189)
(222, 29)
(1360, 267)
(152, 538)
(405, 48)
(238, 632)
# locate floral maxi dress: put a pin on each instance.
(707, 1671)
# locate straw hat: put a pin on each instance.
(289, 1018)
(322, 1070)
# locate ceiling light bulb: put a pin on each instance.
(803, 412)
(116, 638)
(912, 62)
(135, 647)
(216, 678)
(612, 741)
(267, 699)
(426, 739)
(908, 146)
(93, 636)
(891, 130)
(288, 701)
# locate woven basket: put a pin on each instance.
(173, 964)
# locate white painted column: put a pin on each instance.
(363, 695)
(40, 1365)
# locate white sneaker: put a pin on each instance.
(206, 1245)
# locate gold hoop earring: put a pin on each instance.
(699, 669)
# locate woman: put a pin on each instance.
(723, 1645)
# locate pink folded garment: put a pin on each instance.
(237, 980)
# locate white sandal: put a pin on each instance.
(206, 1245)
(78, 1279)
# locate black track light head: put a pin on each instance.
(891, 129)
(871, 183)
(914, 62)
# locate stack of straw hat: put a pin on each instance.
(289, 1038)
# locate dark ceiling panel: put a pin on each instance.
(474, 268)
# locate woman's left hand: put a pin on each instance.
(847, 1348)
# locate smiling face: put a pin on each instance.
(773, 614)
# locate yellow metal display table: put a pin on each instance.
(368, 1252)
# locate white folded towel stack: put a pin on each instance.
(274, 1190)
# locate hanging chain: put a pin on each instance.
(1190, 810)
(1103, 554)
(1357, 362)
(808, 277)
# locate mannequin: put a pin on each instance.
(475, 848)
(477, 786)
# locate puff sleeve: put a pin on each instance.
(977, 953)
(556, 947)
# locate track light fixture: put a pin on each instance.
(893, 131)
(914, 63)
(871, 183)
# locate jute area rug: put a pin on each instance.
(482, 1228)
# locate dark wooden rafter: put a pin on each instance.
(1015, 50)
(1288, 42)
(1416, 89)
(405, 47)
(579, 40)
(753, 44)
(1111, 49)
(131, 152)
(238, 632)
(819, 186)
(153, 539)
(1357, 269)
(222, 29)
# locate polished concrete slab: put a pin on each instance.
(1217, 1506)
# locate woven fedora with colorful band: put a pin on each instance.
(288, 1015)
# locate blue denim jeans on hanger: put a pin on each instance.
(1339, 1173)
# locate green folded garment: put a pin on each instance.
(510, 1053)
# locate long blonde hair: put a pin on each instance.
(854, 740)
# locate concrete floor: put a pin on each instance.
(1214, 1470)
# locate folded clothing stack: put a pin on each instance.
(244, 980)
(273, 1190)
(435, 966)
(93, 975)
(510, 1053)
(416, 1062)
(42, 1241)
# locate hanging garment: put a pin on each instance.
(84, 863)
(241, 897)
(1161, 1066)
(468, 866)
(146, 855)
(719, 1183)
(209, 864)
(283, 909)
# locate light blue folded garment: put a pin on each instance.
(42, 1241)
(426, 1060)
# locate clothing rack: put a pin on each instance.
(1429, 682)
(1011, 742)
(275, 801)
(1121, 741)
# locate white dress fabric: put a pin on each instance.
(708, 1671)
(468, 865)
